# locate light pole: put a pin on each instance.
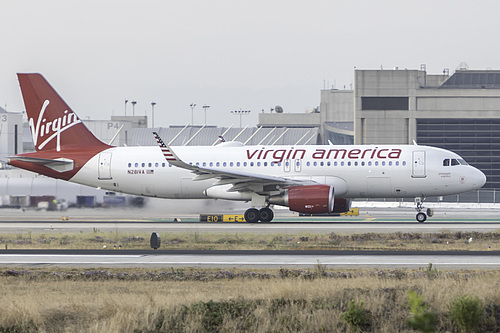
(153, 114)
(205, 107)
(126, 101)
(133, 107)
(241, 113)
(192, 105)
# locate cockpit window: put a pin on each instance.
(454, 161)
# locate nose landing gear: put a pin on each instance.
(421, 216)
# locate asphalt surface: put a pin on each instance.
(247, 259)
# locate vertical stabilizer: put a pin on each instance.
(53, 125)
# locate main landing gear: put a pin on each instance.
(421, 216)
(254, 215)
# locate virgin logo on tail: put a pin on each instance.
(49, 130)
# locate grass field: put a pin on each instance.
(247, 241)
(136, 300)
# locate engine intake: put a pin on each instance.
(311, 199)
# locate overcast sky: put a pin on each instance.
(249, 55)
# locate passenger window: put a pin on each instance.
(237, 163)
(224, 164)
(390, 163)
(217, 164)
(251, 164)
(349, 163)
(322, 163)
(404, 163)
(156, 164)
(143, 165)
(211, 164)
(258, 164)
(272, 163)
(163, 165)
(244, 164)
(335, 163)
(137, 165)
(308, 163)
(376, 163)
(383, 163)
(356, 163)
(230, 164)
(265, 163)
(342, 163)
(204, 164)
(397, 163)
(129, 165)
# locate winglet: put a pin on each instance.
(169, 154)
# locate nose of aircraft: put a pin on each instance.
(478, 178)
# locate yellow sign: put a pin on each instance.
(352, 212)
(233, 218)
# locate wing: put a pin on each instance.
(240, 181)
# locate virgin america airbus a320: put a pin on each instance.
(307, 179)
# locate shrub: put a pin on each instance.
(467, 312)
(421, 319)
(356, 316)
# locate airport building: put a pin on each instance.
(458, 112)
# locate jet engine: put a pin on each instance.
(311, 199)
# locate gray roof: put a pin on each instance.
(195, 136)
(473, 79)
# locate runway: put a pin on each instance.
(251, 259)
(376, 220)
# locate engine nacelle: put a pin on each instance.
(311, 199)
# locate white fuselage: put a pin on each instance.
(354, 171)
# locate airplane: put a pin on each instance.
(318, 179)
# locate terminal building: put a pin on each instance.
(460, 112)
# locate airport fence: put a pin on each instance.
(479, 196)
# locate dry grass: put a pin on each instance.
(469, 241)
(134, 300)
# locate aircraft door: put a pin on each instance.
(104, 168)
(418, 164)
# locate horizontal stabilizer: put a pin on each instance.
(58, 164)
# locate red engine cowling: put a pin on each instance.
(312, 199)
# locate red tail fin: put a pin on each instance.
(53, 125)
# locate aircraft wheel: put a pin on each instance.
(266, 214)
(251, 215)
(421, 217)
